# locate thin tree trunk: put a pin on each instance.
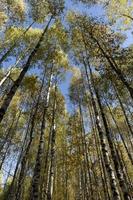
(11, 132)
(11, 192)
(17, 83)
(7, 75)
(101, 165)
(7, 135)
(14, 45)
(52, 162)
(8, 176)
(120, 177)
(96, 139)
(26, 153)
(123, 110)
(119, 131)
(113, 181)
(85, 151)
(37, 169)
(115, 68)
(46, 166)
(128, 16)
(118, 150)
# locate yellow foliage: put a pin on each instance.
(3, 18)
(18, 7)
(61, 58)
(15, 32)
(120, 11)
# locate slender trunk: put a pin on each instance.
(5, 139)
(9, 138)
(85, 152)
(12, 189)
(4, 156)
(101, 165)
(47, 182)
(81, 176)
(117, 149)
(120, 177)
(124, 166)
(128, 16)
(52, 162)
(5, 89)
(115, 68)
(8, 176)
(11, 131)
(88, 154)
(37, 170)
(113, 181)
(46, 166)
(97, 144)
(7, 75)
(26, 153)
(17, 83)
(80, 186)
(123, 110)
(121, 135)
(11, 192)
(14, 45)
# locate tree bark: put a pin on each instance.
(112, 178)
(52, 162)
(37, 169)
(115, 68)
(26, 153)
(14, 45)
(17, 83)
(119, 174)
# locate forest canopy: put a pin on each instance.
(66, 100)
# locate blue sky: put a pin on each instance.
(95, 11)
(79, 7)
